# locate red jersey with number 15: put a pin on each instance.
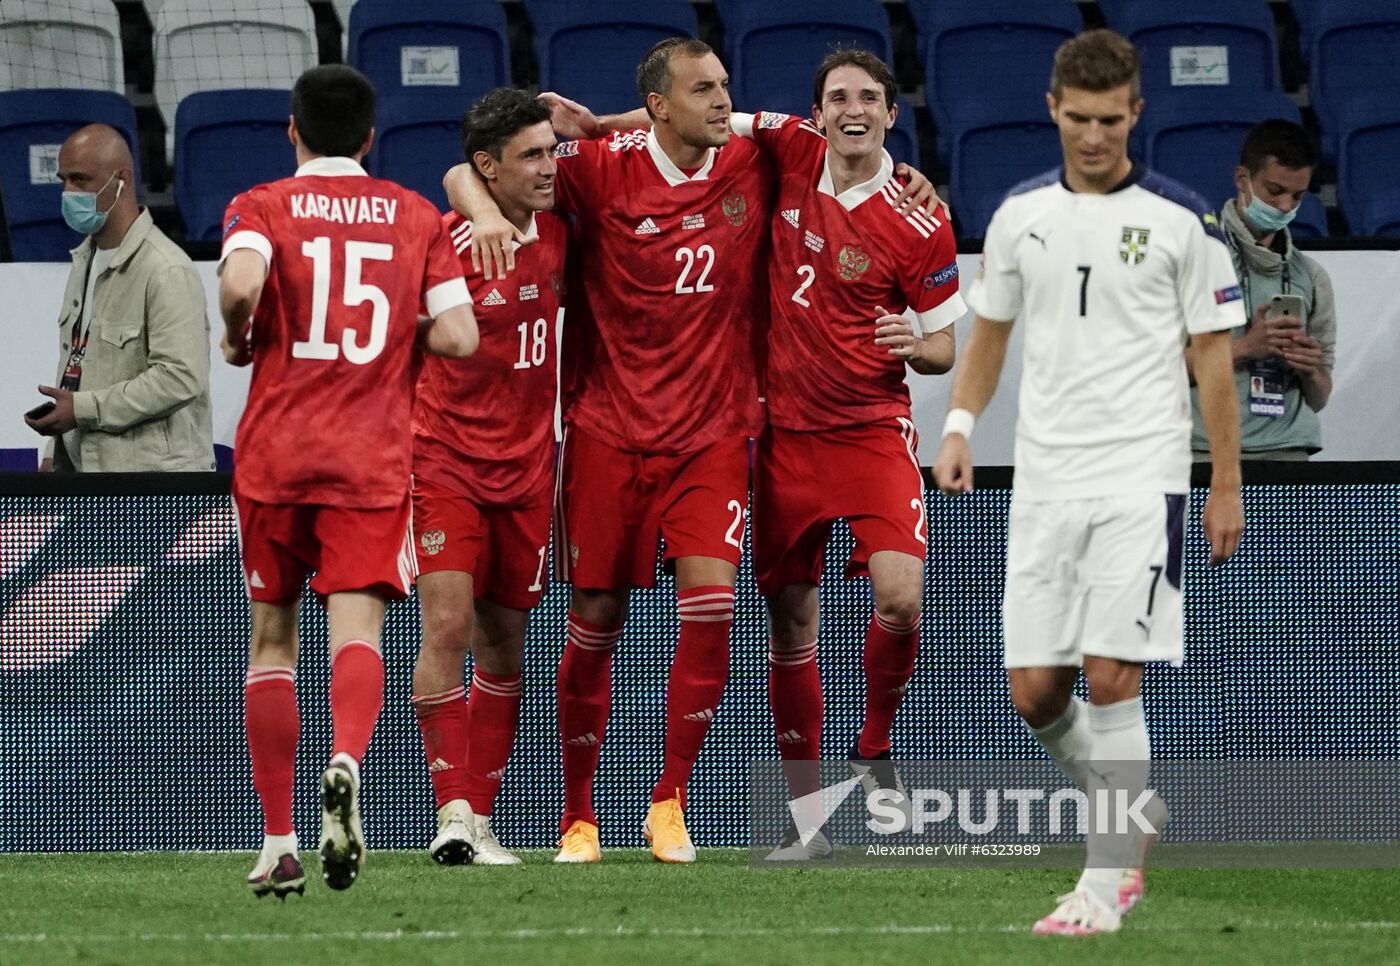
(484, 427)
(659, 349)
(350, 260)
(836, 258)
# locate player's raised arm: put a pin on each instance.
(973, 387)
(571, 120)
(494, 238)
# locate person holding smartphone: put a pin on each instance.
(1283, 356)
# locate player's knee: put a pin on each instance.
(903, 606)
(449, 630)
(601, 608)
(499, 656)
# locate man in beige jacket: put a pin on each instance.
(133, 378)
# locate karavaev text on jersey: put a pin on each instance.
(1109, 289)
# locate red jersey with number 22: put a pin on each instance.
(350, 259)
(484, 426)
(836, 258)
(659, 349)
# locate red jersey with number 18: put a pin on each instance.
(484, 427)
(350, 260)
(659, 349)
(836, 258)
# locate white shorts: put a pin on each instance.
(1100, 577)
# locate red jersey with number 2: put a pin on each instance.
(836, 258)
(484, 426)
(350, 260)
(669, 293)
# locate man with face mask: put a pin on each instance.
(1283, 362)
(132, 393)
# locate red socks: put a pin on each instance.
(698, 675)
(273, 725)
(357, 696)
(890, 650)
(492, 713)
(585, 698)
(795, 697)
(442, 721)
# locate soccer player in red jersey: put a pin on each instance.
(321, 280)
(483, 482)
(848, 257)
(840, 441)
(661, 400)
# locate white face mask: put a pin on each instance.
(1265, 217)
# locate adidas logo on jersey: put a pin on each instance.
(791, 216)
(495, 298)
(707, 715)
(583, 741)
(648, 227)
(790, 737)
(439, 765)
(256, 581)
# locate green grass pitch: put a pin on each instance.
(194, 909)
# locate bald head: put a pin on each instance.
(96, 159)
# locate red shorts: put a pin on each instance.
(503, 548)
(805, 481)
(348, 548)
(615, 505)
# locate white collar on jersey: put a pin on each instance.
(331, 167)
(531, 234)
(855, 194)
(667, 167)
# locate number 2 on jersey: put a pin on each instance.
(355, 292)
(808, 275)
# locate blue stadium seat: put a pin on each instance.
(1245, 28)
(902, 142)
(1311, 220)
(33, 124)
(1195, 136)
(1355, 51)
(1368, 144)
(985, 56)
(415, 143)
(590, 51)
(991, 155)
(227, 142)
(774, 48)
(454, 49)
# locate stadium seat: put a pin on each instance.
(455, 49)
(1354, 51)
(1169, 37)
(227, 142)
(1195, 136)
(251, 45)
(1368, 144)
(415, 143)
(33, 125)
(61, 43)
(902, 142)
(980, 57)
(992, 154)
(590, 51)
(774, 48)
(1311, 220)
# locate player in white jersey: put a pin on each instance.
(1112, 269)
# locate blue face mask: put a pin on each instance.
(1266, 217)
(80, 208)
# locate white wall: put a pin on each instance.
(1362, 422)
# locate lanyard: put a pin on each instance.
(73, 372)
(1242, 270)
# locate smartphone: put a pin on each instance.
(42, 410)
(1291, 305)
